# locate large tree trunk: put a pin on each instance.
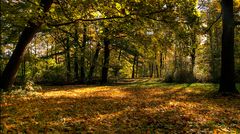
(94, 62)
(10, 71)
(105, 67)
(82, 59)
(227, 81)
(23, 77)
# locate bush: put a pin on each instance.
(54, 75)
(183, 76)
(168, 78)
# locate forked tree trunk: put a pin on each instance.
(11, 69)
(94, 62)
(227, 80)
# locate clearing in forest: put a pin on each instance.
(136, 107)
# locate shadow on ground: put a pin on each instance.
(139, 108)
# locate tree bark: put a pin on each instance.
(23, 77)
(227, 80)
(94, 62)
(133, 67)
(105, 67)
(137, 62)
(82, 59)
(161, 64)
(11, 69)
(76, 43)
(68, 60)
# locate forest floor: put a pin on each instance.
(138, 106)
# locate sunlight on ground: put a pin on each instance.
(140, 108)
(85, 92)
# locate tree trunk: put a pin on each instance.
(94, 62)
(212, 61)
(1, 61)
(68, 60)
(10, 71)
(193, 56)
(137, 67)
(76, 43)
(23, 77)
(161, 64)
(151, 70)
(133, 67)
(105, 67)
(227, 80)
(82, 59)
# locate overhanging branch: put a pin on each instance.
(86, 20)
(107, 18)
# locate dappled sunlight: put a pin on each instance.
(121, 109)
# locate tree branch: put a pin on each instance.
(77, 20)
(108, 18)
(220, 15)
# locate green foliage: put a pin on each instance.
(54, 75)
(165, 35)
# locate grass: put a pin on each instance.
(129, 107)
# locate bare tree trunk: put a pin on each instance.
(82, 59)
(227, 81)
(23, 65)
(68, 60)
(11, 69)
(161, 64)
(105, 67)
(76, 43)
(94, 62)
(137, 67)
(133, 67)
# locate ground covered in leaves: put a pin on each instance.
(136, 107)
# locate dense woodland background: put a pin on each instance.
(97, 41)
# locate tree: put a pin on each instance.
(10, 71)
(105, 67)
(227, 80)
